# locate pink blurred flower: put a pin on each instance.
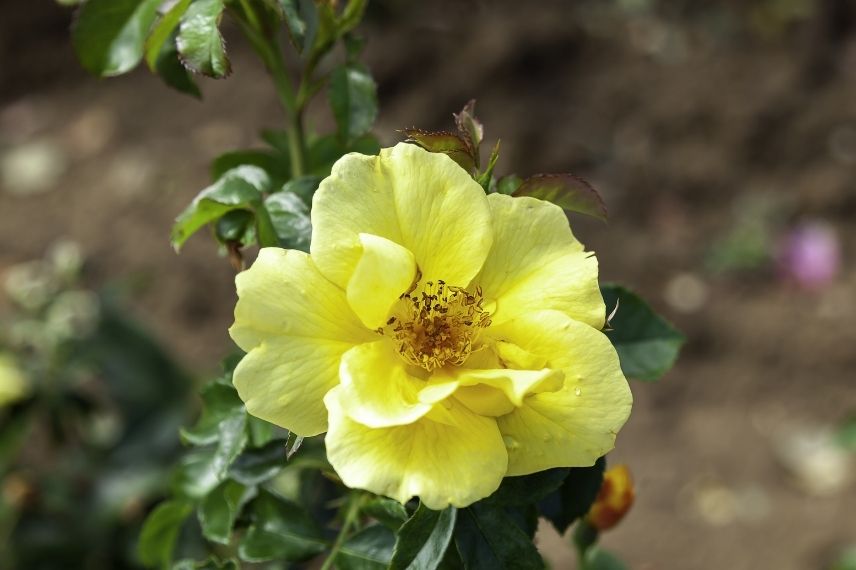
(810, 255)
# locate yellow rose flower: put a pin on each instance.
(442, 338)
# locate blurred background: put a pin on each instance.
(722, 136)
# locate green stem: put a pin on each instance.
(351, 515)
(269, 52)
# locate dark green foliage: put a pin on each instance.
(647, 345)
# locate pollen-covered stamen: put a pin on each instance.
(437, 325)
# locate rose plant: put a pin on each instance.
(426, 365)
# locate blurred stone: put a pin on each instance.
(21, 120)
(32, 168)
(217, 137)
(842, 144)
(91, 132)
(812, 456)
(720, 505)
(130, 173)
(686, 293)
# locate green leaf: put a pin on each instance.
(566, 190)
(508, 184)
(202, 470)
(210, 564)
(290, 218)
(351, 15)
(325, 151)
(236, 226)
(517, 491)
(353, 98)
(274, 163)
(109, 35)
(281, 529)
(295, 22)
(239, 188)
(444, 142)
(172, 71)
(255, 466)
(303, 186)
(163, 31)
(200, 44)
(219, 509)
(196, 474)
(160, 532)
(321, 27)
(575, 496)
(423, 539)
(369, 549)
(647, 345)
(597, 558)
(388, 512)
(487, 537)
(220, 401)
(259, 431)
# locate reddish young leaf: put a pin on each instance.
(445, 142)
(570, 192)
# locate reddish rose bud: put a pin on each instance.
(614, 499)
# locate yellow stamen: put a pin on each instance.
(437, 325)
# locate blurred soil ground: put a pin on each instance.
(685, 117)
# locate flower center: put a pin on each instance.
(437, 325)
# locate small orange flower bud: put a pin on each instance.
(614, 499)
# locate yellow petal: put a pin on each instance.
(384, 271)
(455, 463)
(283, 294)
(377, 391)
(493, 392)
(284, 380)
(536, 263)
(575, 425)
(423, 201)
(295, 325)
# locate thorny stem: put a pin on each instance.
(351, 514)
